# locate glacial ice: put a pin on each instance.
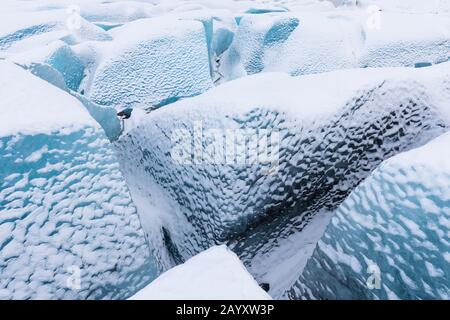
(39, 28)
(390, 239)
(314, 42)
(409, 6)
(215, 274)
(64, 203)
(332, 134)
(65, 209)
(57, 55)
(291, 43)
(152, 62)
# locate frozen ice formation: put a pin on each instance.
(314, 42)
(410, 6)
(68, 226)
(246, 123)
(215, 274)
(331, 130)
(57, 55)
(39, 28)
(291, 43)
(390, 239)
(153, 62)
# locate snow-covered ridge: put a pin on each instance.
(20, 114)
(215, 274)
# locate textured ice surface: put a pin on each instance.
(214, 274)
(39, 28)
(332, 134)
(292, 43)
(405, 40)
(64, 205)
(313, 42)
(395, 226)
(152, 62)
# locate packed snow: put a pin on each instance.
(215, 274)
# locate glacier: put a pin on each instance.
(394, 226)
(58, 56)
(65, 207)
(313, 42)
(40, 28)
(301, 137)
(330, 138)
(152, 62)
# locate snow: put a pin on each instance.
(314, 42)
(39, 28)
(215, 274)
(382, 111)
(57, 55)
(152, 62)
(20, 114)
(338, 86)
(405, 237)
(64, 204)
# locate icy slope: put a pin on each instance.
(66, 215)
(215, 274)
(325, 133)
(152, 62)
(390, 239)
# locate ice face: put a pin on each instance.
(57, 55)
(68, 226)
(329, 139)
(153, 62)
(390, 238)
(215, 274)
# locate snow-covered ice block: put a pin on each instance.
(57, 55)
(313, 42)
(215, 274)
(390, 239)
(111, 14)
(39, 28)
(409, 6)
(68, 226)
(294, 43)
(308, 141)
(400, 39)
(153, 62)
